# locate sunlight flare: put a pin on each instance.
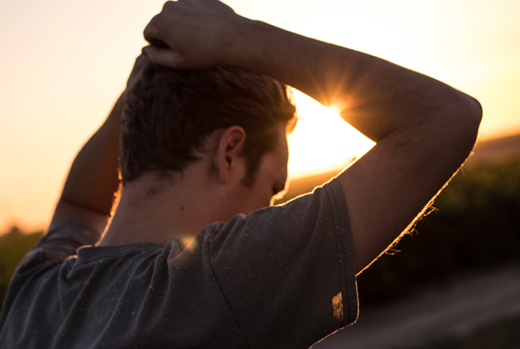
(322, 140)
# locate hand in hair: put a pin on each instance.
(191, 34)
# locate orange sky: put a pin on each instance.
(63, 63)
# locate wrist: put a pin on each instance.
(239, 48)
(261, 47)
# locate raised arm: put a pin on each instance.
(93, 178)
(424, 129)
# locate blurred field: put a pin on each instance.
(503, 334)
(474, 229)
(476, 226)
(13, 246)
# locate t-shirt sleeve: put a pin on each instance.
(61, 242)
(287, 272)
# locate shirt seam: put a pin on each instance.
(342, 233)
(220, 288)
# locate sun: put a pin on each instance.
(322, 140)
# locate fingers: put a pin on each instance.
(190, 34)
(152, 32)
(163, 56)
(159, 52)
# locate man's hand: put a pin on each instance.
(191, 34)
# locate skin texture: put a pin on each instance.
(209, 190)
(424, 131)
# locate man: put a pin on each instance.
(166, 275)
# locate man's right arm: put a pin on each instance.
(423, 129)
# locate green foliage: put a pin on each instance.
(476, 226)
(13, 247)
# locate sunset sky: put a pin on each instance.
(64, 62)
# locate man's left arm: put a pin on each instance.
(93, 178)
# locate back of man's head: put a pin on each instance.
(170, 113)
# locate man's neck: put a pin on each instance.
(157, 211)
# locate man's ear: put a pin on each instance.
(228, 159)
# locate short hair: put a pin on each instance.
(170, 113)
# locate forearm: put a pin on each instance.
(373, 95)
(94, 176)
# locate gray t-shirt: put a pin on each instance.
(281, 277)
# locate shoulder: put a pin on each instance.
(60, 242)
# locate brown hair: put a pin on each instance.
(170, 112)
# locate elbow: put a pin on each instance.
(472, 117)
(463, 125)
(475, 112)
